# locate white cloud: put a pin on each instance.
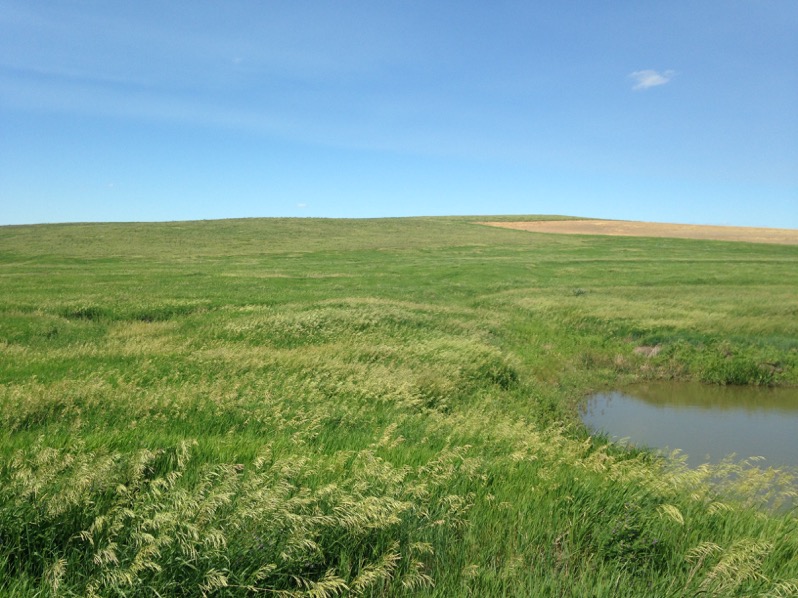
(650, 78)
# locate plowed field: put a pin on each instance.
(623, 228)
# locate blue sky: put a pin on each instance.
(139, 111)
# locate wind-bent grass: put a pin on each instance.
(386, 407)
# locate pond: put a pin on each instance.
(707, 423)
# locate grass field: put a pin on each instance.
(301, 407)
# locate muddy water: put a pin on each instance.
(705, 422)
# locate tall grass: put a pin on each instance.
(328, 408)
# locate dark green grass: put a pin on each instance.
(375, 407)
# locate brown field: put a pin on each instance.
(783, 236)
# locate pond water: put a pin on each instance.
(705, 422)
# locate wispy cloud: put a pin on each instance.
(650, 78)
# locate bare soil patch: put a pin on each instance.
(624, 228)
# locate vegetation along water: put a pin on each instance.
(308, 407)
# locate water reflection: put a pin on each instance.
(706, 422)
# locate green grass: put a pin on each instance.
(375, 407)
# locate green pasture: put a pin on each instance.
(309, 407)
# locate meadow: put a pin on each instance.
(309, 407)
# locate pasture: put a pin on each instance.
(311, 407)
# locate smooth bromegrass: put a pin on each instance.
(376, 407)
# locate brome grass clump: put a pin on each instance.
(90, 524)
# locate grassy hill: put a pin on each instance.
(375, 407)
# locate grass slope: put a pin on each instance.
(375, 407)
